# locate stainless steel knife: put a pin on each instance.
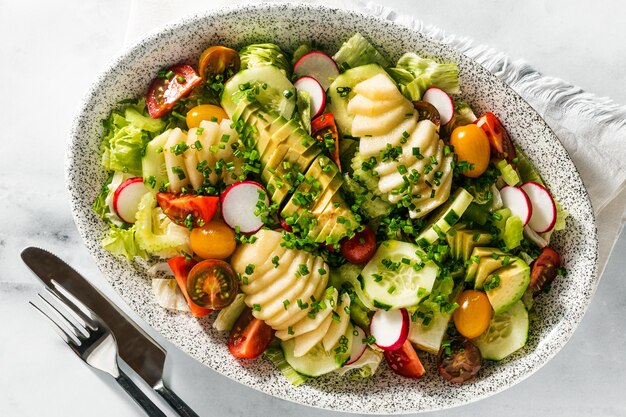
(142, 353)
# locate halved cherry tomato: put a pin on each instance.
(459, 360)
(249, 337)
(544, 270)
(405, 361)
(218, 60)
(426, 111)
(181, 267)
(324, 129)
(212, 284)
(205, 112)
(164, 92)
(360, 248)
(499, 140)
(474, 313)
(213, 240)
(471, 145)
(179, 208)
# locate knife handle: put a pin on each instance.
(140, 398)
(181, 408)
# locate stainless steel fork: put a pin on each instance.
(91, 340)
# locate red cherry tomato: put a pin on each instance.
(360, 248)
(165, 91)
(499, 141)
(323, 128)
(544, 269)
(212, 284)
(459, 360)
(181, 267)
(405, 361)
(179, 207)
(249, 337)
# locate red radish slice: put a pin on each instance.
(390, 328)
(284, 225)
(126, 198)
(318, 65)
(442, 102)
(239, 202)
(544, 209)
(517, 201)
(316, 91)
(358, 345)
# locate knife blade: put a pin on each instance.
(140, 351)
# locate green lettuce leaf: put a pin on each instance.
(415, 74)
(122, 242)
(357, 51)
(100, 205)
(261, 54)
(276, 356)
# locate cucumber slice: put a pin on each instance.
(338, 103)
(153, 162)
(390, 279)
(445, 217)
(318, 361)
(271, 88)
(507, 332)
(514, 279)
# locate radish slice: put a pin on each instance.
(318, 65)
(126, 198)
(517, 201)
(316, 91)
(284, 225)
(358, 345)
(390, 328)
(239, 202)
(544, 210)
(442, 102)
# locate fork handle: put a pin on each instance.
(140, 398)
(181, 408)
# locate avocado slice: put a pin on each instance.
(477, 254)
(471, 239)
(488, 265)
(514, 280)
(452, 236)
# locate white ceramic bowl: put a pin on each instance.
(557, 313)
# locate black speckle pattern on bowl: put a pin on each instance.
(558, 313)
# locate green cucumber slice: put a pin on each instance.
(393, 278)
(445, 217)
(270, 87)
(318, 361)
(513, 282)
(507, 332)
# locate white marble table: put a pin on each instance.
(49, 54)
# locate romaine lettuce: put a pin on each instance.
(365, 366)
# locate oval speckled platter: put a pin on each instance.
(557, 313)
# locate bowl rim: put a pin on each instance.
(132, 49)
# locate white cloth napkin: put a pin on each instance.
(592, 129)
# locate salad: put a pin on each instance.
(337, 211)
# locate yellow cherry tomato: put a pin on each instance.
(205, 112)
(471, 145)
(474, 313)
(215, 240)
